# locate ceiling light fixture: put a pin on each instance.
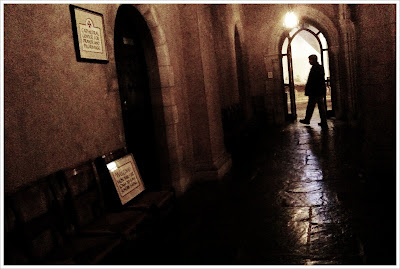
(291, 20)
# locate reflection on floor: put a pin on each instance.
(295, 195)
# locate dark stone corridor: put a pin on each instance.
(168, 134)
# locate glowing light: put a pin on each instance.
(112, 166)
(291, 20)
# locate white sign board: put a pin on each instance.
(126, 177)
(90, 37)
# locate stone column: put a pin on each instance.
(274, 92)
(211, 159)
(349, 49)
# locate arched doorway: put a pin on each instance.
(299, 43)
(131, 33)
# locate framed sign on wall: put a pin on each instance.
(89, 35)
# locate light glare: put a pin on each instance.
(112, 166)
(291, 20)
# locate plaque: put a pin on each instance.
(89, 36)
(126, 178)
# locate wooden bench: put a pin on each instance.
(69, 218)
(42, 233)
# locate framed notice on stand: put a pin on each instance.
(89, 35)
(126, 178)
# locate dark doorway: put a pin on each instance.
(131, 31)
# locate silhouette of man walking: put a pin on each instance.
(315, 90)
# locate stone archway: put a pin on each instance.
(272, 56)
(164, 108)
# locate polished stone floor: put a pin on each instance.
(296, 195)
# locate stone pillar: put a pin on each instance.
(274, 92)
(334, 56)
(349, 50)
(210, 156)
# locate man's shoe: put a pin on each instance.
(304, 121)
(323, 125)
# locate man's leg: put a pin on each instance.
(322, 111)
(310, 108)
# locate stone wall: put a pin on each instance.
(376, 77)
(60, 112)
(57, 111)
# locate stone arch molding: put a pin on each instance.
(312, 15)
(164, 64)
(163, 90)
